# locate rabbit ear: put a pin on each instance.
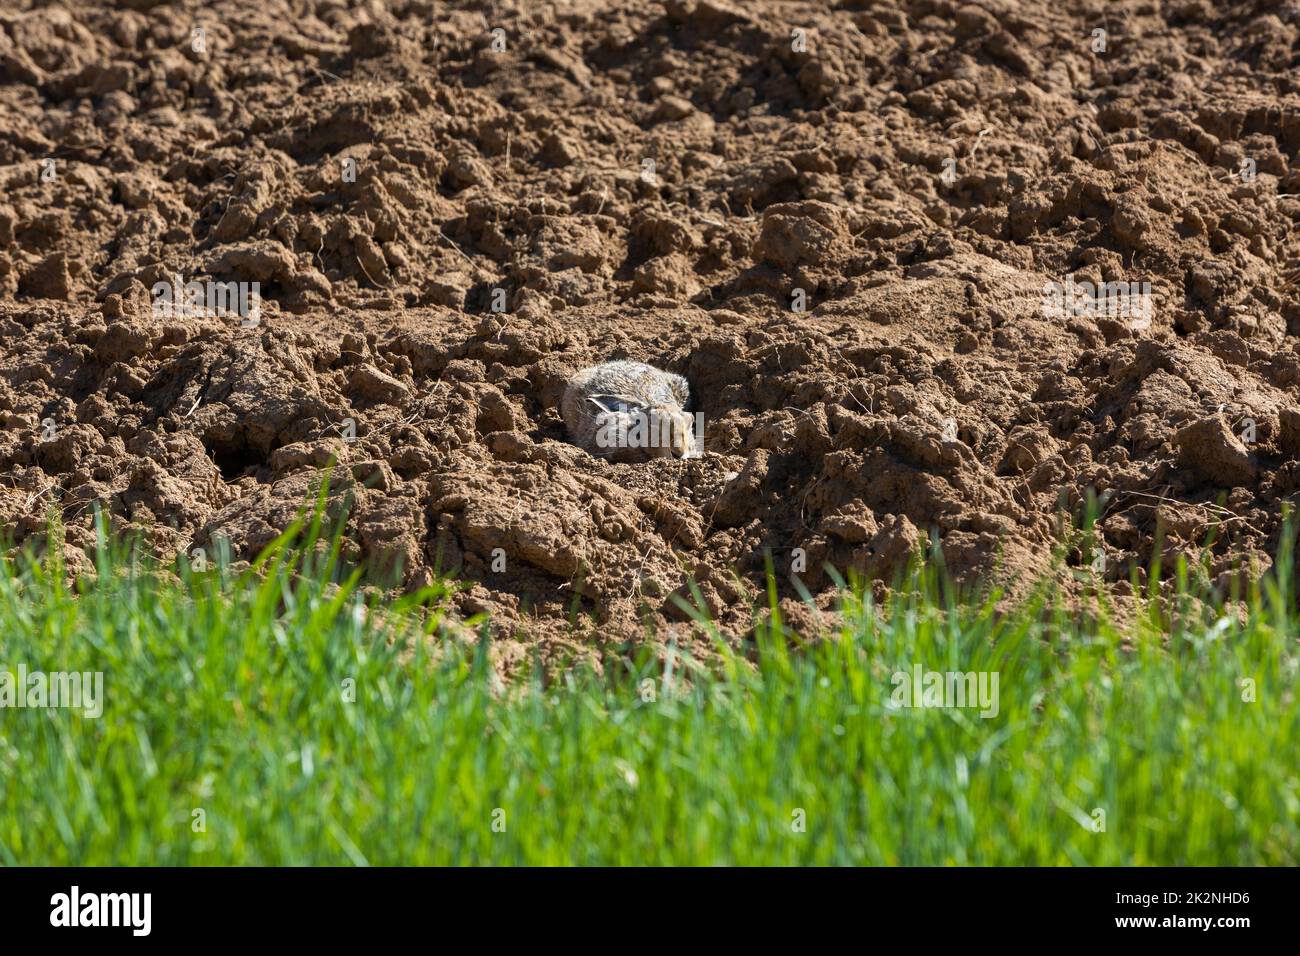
(680, 390)
(610, 403)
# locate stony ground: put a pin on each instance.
(837, 220)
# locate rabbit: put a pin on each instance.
(629, 412)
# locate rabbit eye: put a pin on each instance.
(610, 403)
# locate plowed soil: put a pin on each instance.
(670, 183)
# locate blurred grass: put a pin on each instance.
(228, 693)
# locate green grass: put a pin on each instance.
(226, 693)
